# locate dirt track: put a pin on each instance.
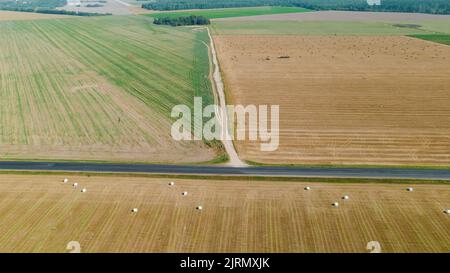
(221, 113)
(344, 99)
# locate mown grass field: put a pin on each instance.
(230, 12)
(437, 38)
(321, 28)
(39, 213)
(99, 88)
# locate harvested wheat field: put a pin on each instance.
(99, 89)
(381, 100)
(19, 16)
(42, 214)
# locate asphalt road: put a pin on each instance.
(221, 170)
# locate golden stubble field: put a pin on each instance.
(344, 99)
(39, 213)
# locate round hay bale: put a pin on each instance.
(345, 197)
(184, 193)
(171, 183)
(410, 189)
(135, 210)
(307, 188)
(83, 190)
(199, 207)
(447, 211)
(75, 185)
(65, 180)
(335, 204)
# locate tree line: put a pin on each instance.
(56, 11)
(96, 5)
(422, 6)
(32, 4)
(182, 21)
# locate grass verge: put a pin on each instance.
(360, 166)
(243, 178)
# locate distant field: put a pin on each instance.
(230, 12)
(439, 26)
(344, 99)
(111, 6)
(438, 38)
(99, 89)
(312, 28)
(16, 16)
(137, 2)
(333, 22)
(346, 16)
(41, 214)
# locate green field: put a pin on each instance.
(313, 28)
(438, 38)
(99, 88)
(230, 12)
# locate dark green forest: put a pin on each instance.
(182, 21)
(32, 4)
(423, 6)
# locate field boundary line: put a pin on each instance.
(281, 179)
